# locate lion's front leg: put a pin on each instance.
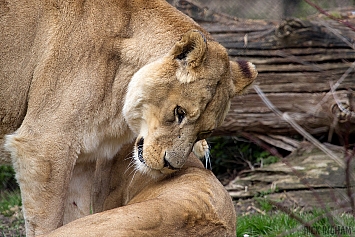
(43, 165)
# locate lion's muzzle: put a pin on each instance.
(160, 163)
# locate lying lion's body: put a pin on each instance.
(191, 202)
(81, 78)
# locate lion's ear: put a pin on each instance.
(243, 74)
(190, 50)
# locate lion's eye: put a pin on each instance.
(204, 134)
(179, 113)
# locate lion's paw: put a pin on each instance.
(201, 149)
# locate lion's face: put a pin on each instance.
(175, 101)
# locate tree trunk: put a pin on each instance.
(298, 61)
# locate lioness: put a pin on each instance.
(81, 78)
(189, 202)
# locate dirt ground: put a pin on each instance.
(11, 227)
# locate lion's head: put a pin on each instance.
(181, 98)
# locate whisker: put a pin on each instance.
(208, 164)
(130, 165)
(134, 175)
(208, 160)
(129, 155)
(133, 166)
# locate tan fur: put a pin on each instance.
(190, 202)
(79, 79)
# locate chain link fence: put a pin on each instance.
(268, 9)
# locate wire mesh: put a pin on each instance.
(268, 9)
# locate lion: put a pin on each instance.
(188, 202)
(80, 79)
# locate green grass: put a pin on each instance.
(11, 219)
(7, 178)
(10, 203)
(281, 224)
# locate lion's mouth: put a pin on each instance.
(140, 150)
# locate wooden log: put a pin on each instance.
(297, 60)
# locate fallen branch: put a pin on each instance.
(298, 128)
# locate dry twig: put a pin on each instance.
(298, 128)
(345, 23)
